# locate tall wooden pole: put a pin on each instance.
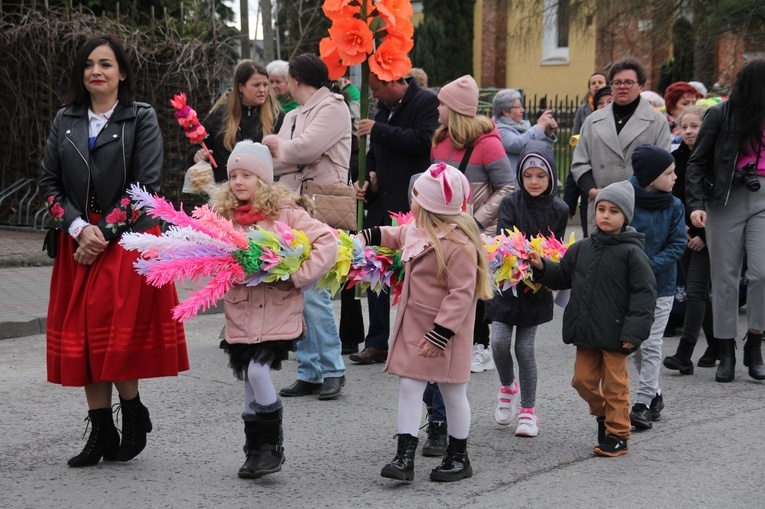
(244, 17)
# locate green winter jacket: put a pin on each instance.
(613, 291)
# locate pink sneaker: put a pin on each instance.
(508, 404)
(528, 423)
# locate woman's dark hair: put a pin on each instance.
(310, 70)
(78, 94)
(628, 65)
(747, 103)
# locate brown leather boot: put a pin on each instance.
(369, 356)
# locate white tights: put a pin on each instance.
(259, 391)
(410, 407)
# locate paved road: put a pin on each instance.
(706, 452)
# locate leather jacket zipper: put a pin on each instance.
(730, 182)
(87, 188)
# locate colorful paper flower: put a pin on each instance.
(390, 61)
(353, 40)
(205, 246)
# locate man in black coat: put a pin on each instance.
(400, 140)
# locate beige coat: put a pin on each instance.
(424, 301)
(274, 311)
(608, 155)
(320, 142)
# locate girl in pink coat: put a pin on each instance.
(263, 321)
(446, 273)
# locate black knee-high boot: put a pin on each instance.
(135, 425)
(271, 453)
(402, 466)
(726, 371)
(455, 465)
(753, 355)
(104, 439)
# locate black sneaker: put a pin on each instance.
(612, 447)
(657, 405)
(641, 416)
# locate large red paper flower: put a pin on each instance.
(353, 39)
(331, 57)
(390, 61)
(393, 11)
(338, 9)
(402, 32)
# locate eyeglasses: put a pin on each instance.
(517, 107)
(625, 83)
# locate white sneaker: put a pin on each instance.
(508, 404)
(528, 423)
(481, 360)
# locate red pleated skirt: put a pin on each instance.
(107, 324)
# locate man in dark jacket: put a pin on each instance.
(400, 136)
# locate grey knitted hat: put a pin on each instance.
(621, 194)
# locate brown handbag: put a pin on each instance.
(335, 203)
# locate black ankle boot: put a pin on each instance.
(435, 445)
(402, 466)
(251, 449)
(104, 439)
(270, 453)
(455, 465)
(135, 425)
(711, 354)
(681, 361)
(753, 355)
(726, 371)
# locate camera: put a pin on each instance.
(747, 176)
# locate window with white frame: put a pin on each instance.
(555, 32)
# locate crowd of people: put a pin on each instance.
(659, 190)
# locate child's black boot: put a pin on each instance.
(135, 425)
(402, 466)
(251, 449)
(456, 465)
(753, 355)
(104, 439)
(271, 457)
(435, 445)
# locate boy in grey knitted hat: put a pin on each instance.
(613, 294)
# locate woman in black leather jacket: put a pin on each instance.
(724, 174)
(106, 326)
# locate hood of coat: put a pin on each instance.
(629, 236)
(543, 150)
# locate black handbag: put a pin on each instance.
(50, 244)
